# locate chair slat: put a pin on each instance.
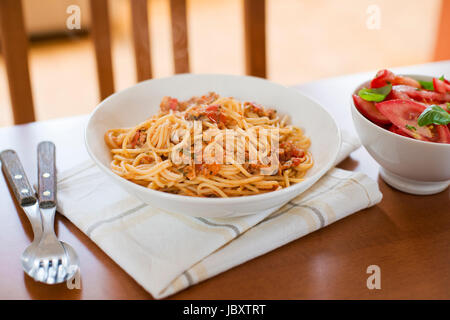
(102, 43)
(179, 35)
(255, 37)
(442, 50)
(14, 47)
(142, 55)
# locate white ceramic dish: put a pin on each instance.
(409, 165)
(137, 103)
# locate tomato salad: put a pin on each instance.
(408, 107)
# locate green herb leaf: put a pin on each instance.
(412, 128)
(427, 85)
(442, 78)
(376, 94)
(433, 115)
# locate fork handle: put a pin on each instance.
(13, 170)
(46, 174)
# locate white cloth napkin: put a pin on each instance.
(166, 252)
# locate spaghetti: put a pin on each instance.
(184, 149)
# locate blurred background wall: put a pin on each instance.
(306, 40)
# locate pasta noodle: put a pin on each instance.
(211, 146)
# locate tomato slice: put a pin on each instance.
(407, 81)
(425, 96)
(440, 86)
(404, 114)
(368, 109)
(429, 96)
(382, 78)
(398, 92)
(444, 133)
(393, 128)
(446, 107)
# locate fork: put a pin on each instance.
(25, 195)
(52, 261)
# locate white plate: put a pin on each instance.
(135, 104)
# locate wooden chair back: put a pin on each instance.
(442, 49)
(14, 42)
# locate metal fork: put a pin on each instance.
(24, 193)
(46, 259)
(52, 263)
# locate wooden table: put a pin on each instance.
(407, 236)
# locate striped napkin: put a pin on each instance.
(166, 252)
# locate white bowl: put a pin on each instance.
(137, 103)
(409, 165)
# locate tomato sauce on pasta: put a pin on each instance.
(144, 153)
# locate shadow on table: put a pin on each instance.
(348, 163)
(37, 290)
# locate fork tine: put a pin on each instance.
(42, 272)
(34, 269)
(62, 274)
(46, 268)
(58, 270)
(39, 271)
(52, 270)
